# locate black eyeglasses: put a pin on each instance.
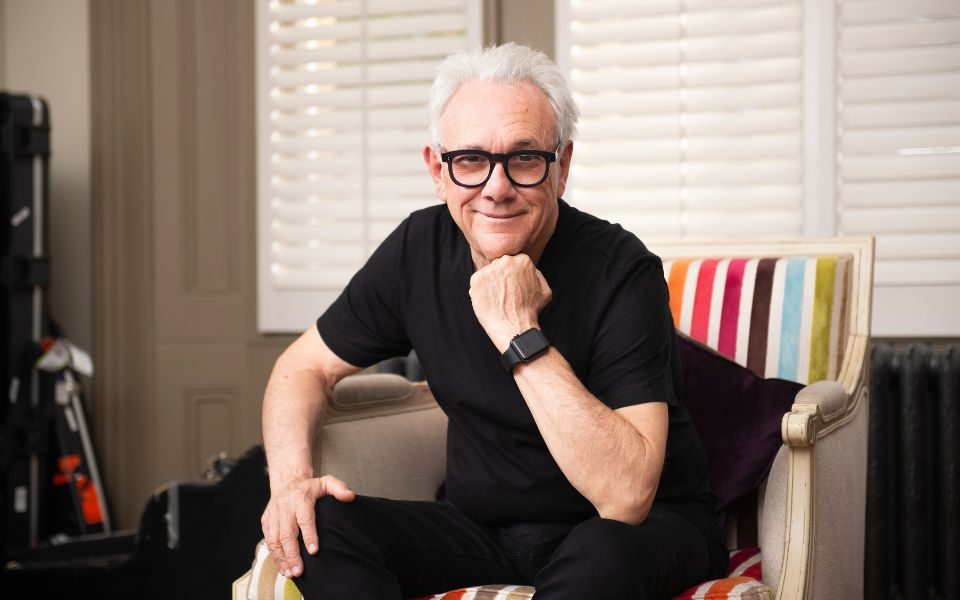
(524, 168)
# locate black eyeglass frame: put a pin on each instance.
(503, 159)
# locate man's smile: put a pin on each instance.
(498, 217)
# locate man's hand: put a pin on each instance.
(507, 296)
(293, 510)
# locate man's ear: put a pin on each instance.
(564, 165)
(435, 167)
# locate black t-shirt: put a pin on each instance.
(609, 318)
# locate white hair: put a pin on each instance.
(510, 63)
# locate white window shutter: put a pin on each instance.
(691, 121)
(342, 94)
(898, 155)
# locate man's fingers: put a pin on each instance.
(269, 524)
(306, 519)
(291, 553)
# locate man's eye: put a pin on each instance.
(470, 158)
(526, 157)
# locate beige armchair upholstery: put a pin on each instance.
(386, 437)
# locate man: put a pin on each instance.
(545, 336)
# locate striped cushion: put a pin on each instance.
(487, 592)
(743, 581)
(266, 583)
(779, 317)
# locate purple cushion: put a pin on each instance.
(737, 414)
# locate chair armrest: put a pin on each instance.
(241, 587)
(387, 438)
(815, 497)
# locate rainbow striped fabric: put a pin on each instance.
(779, 317)
(744, 581)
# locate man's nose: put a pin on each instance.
(498, 187)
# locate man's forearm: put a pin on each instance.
(293, 408)
(601, 453)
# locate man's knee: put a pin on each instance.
(611, 545)
(341, 531)
(338, 519)
(603, 558)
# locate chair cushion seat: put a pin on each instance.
(743, 582)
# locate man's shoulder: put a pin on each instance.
(430, 216)
(593, 239)
(421, 226)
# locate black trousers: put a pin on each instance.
(373, 548)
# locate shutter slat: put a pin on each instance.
(744, 147)
(746, 122)
(917, 272)
(344, 30)
(295, 12)
(759, 45)
(419, 25)
(390, 7)
(937, 192)
(901, 60)
(621, 9)
(327, 120)
(665, 27)
(289, 210)
(919, 245)
(900, 114)
(744, 72)
(885, 141)
(738, 21)
(902, 34)
(740, 172)
(858, 13)
(913, 86)
(781, 93)
(894, 167)
(937, 219)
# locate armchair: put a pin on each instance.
(796, 310)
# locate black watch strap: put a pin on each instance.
(524, 348)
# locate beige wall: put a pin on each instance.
(529, 22)
(3, 44)
(45, 50)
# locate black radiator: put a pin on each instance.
(913, 484)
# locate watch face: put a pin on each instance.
(530, 343)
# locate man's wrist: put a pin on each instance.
(505, 333)
(524, 348)
(284, 481)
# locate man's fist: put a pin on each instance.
(507, 296)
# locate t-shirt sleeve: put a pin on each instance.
(633, 359)
(364, 325)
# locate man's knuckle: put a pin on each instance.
(286, 537)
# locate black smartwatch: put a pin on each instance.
(524, 348)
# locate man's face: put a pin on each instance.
(499, 218)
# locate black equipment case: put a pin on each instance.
(49, 481)
(25, 275)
